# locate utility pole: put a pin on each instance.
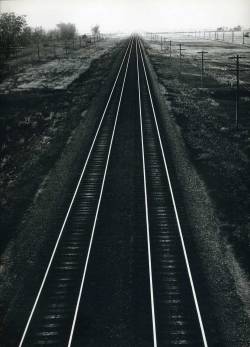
(232, 36)
(237, 91)
(202, 66)
(54, 48)
(170, 49)
(243, 38)
(180, 54)
(237, 96)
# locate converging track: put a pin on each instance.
(119, 273)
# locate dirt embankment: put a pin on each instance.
(46, 135)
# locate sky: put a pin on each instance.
(133, 15)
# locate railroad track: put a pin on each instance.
(103, 256)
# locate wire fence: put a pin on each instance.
(227, 64)
(47, 49)
(235, 37)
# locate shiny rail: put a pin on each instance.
(53, 315)
(175, 311)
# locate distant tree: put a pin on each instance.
(38, 36)
(67, 31)
(95, 30)
(11, 29)
(26, 36)
(237, 28)
(53, 34)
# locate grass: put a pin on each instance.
(219, 151)
(35, 126)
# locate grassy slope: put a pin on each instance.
(35, 126)
(220, 153)
(49, 174)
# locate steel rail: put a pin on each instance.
(174, 205)
(98, 207)
(73, 199)
(146, 207)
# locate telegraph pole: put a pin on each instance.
(180, 54)
(237, 96)
(237, 91)
(170, 49)
(202, 65)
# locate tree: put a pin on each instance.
(95, 30)
(67, 31)
(38, 37)
(11, 29)
(53, 34)
(26, 36)
(38, 34)
(237, 28)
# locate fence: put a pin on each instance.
(236, 37)
(225, 64)
(47, 49)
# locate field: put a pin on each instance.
(41, 105)
(205, 112)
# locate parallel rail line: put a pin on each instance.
(81, 209)
(159, 215)
(175, 313)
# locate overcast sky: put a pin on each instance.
(133, 15)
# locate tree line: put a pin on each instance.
(15, 32)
